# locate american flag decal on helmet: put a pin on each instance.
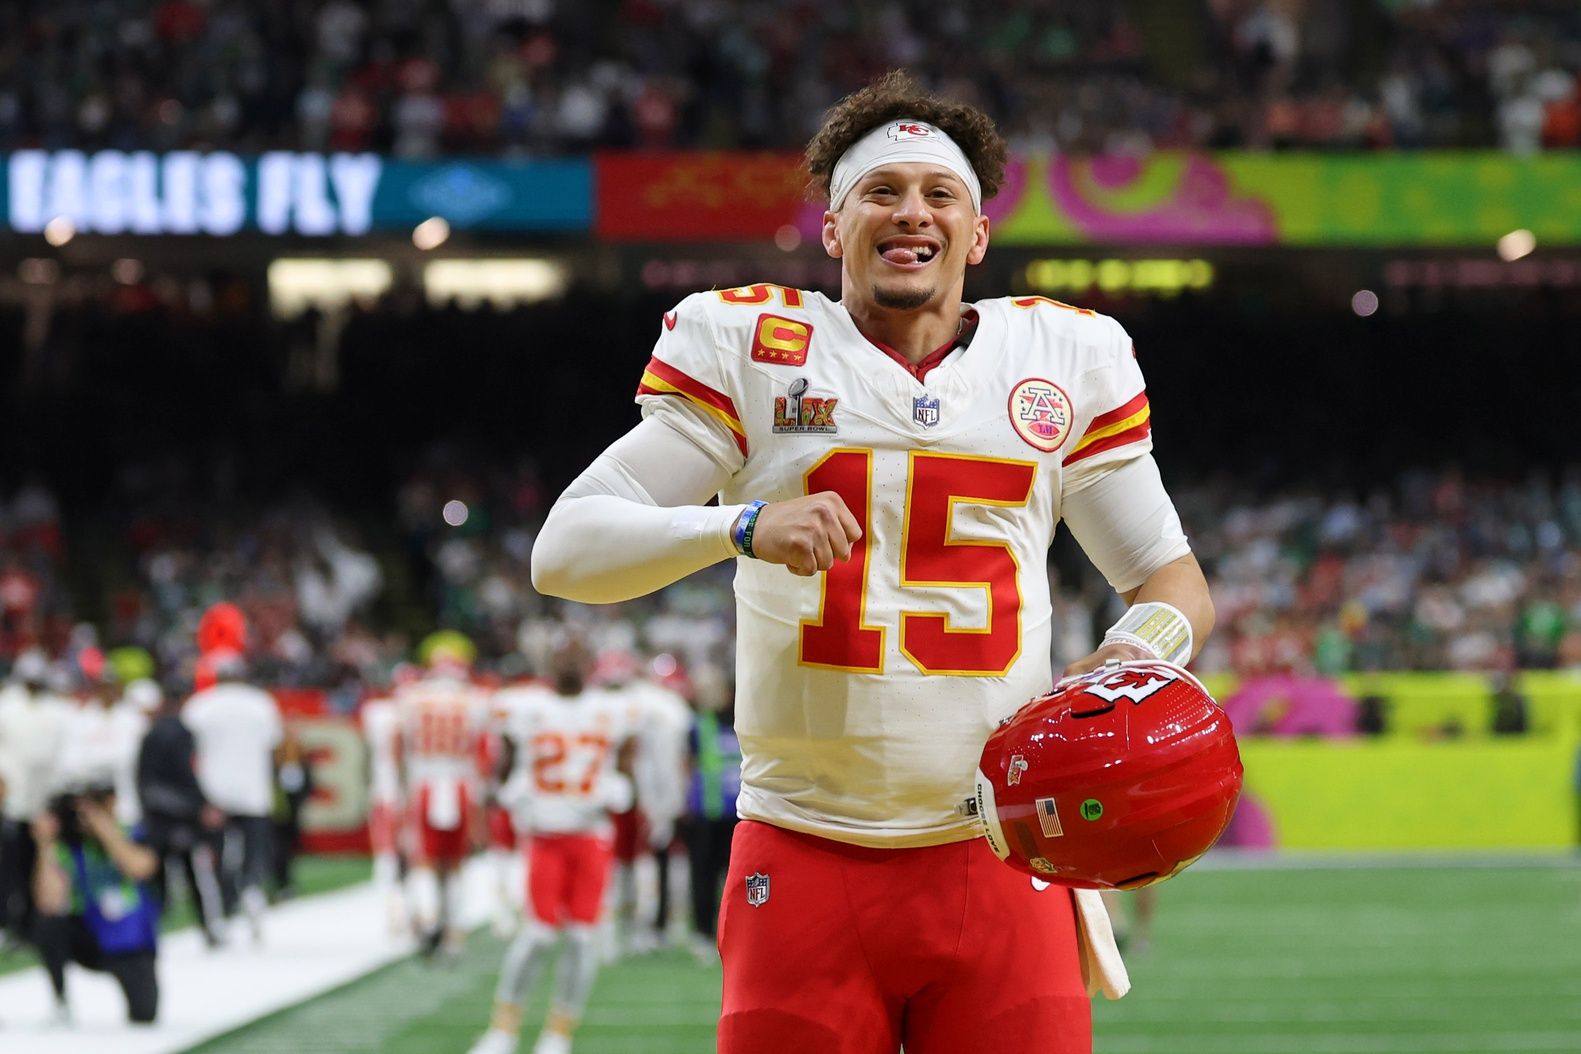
(1048, 819)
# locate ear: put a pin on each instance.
(979, 242)
(831, 235)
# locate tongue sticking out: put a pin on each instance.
(900, 255)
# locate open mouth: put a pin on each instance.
(908, 252)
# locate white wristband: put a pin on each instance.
(1155, 627)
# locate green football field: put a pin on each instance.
(1404, 960)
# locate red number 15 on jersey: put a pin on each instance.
(841, 638)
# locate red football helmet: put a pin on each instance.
(1114, 780)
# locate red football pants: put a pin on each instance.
(440, 847)
(857, 951)
(566, 877)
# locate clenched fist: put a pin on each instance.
(808, 534)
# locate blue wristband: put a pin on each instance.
(746, 523)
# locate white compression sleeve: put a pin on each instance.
(634, 522)
(1126, 524)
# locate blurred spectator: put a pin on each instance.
(293, 787)
(1509, 706)
(715, 782)
(1372, 715)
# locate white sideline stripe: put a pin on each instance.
(310, 946)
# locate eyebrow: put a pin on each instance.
(938, 175)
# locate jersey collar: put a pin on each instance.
(921, 369)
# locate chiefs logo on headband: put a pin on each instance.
(910, 130)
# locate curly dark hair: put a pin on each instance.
(891, 97)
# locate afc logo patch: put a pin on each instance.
(781, 341)
(757, 890)
(1041, 413)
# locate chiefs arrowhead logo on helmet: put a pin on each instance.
(1116, 779)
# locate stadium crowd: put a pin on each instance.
(1434, 571)
(349, 517)
(533, 77)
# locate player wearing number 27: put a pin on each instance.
(913, 456)
(571, 751)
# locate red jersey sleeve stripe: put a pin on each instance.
(660, 378)
(1136, 404)
(1134, 434)
(692, 388)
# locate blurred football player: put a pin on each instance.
(890, 469)
(574, 746)
(381, 732)
(507, 808)
(1133, 917)
(644, 835)
(443, 719)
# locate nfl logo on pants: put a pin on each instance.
(757, 889)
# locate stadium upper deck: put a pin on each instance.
(417, 77)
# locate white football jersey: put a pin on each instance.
(380, 731)
(566, 749)
(662, 720)
(865, 694)
(442, 723)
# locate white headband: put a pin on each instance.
(895, 142)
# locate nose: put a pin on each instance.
(912, 210)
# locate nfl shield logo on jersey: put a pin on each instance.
(925, 411)
(757, 889)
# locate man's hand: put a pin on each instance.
(96, 819)
(1088, 663)
(211, 818)
(807, 534)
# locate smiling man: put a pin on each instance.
(891, 468)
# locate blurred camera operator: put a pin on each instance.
(93, 908)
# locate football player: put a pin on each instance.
(662, 719)
(572, 746)
(890, 468)
(381, 732)
(443, 719)
(508, 804)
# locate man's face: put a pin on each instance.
(905, 235)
